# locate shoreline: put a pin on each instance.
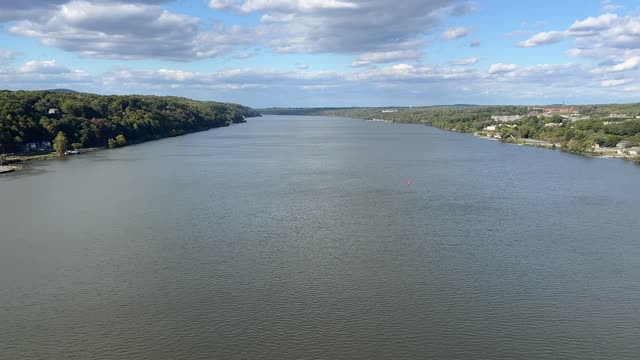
(605, 153)
(19, 162)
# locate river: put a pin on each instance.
(321, 238)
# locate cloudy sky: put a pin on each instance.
(328, 52)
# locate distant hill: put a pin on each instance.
(63, 91)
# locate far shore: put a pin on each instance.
(600, 152)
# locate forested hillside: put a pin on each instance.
(90, 120)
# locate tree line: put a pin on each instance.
(576, 136)
(89, 120)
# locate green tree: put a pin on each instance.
(121, 141)
(60, 143)
(112, 143)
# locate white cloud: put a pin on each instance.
(43, 75)
(503, 83)
(380, 57)
(343, 26)
(281, 5)
(497, 69)
(43, 67)
(611, 83)
(129, 31)
(607, 31)
(377, 30)
(544, 38)
(475, 43)
(629, 64)
(455, 33)
(592, 25)
(464, 62)
(40, 10)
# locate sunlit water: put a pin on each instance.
(299, 238)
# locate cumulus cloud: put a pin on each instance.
(629, 64)
(465, 62)
(381, 57)
(497, 69)
(342, 26)
(607, 31)
(615, 82)
(504, 83)
(455, 33)
(281, 5)
(378, 30)
(544, 38)
(41, 9)
(129, 31)
(44, 74)
(43, 67)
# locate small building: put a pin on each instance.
(553, 125)
(53, 111)
(634, 151)
(44, 145)
(37, 146)
(490, 128)
(623, 144)
(617, 116)
(506, 118)
(389, 111)
(550, 111)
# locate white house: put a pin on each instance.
(506, 118)
(623, 144)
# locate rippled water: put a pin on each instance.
(299, 238)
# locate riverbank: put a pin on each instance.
(595, 134)
(597, 152)
(8, 168)
(18, 162)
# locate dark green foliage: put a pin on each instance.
(91, 120)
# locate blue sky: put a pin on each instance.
(266, 53)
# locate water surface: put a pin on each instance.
(298, 238)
